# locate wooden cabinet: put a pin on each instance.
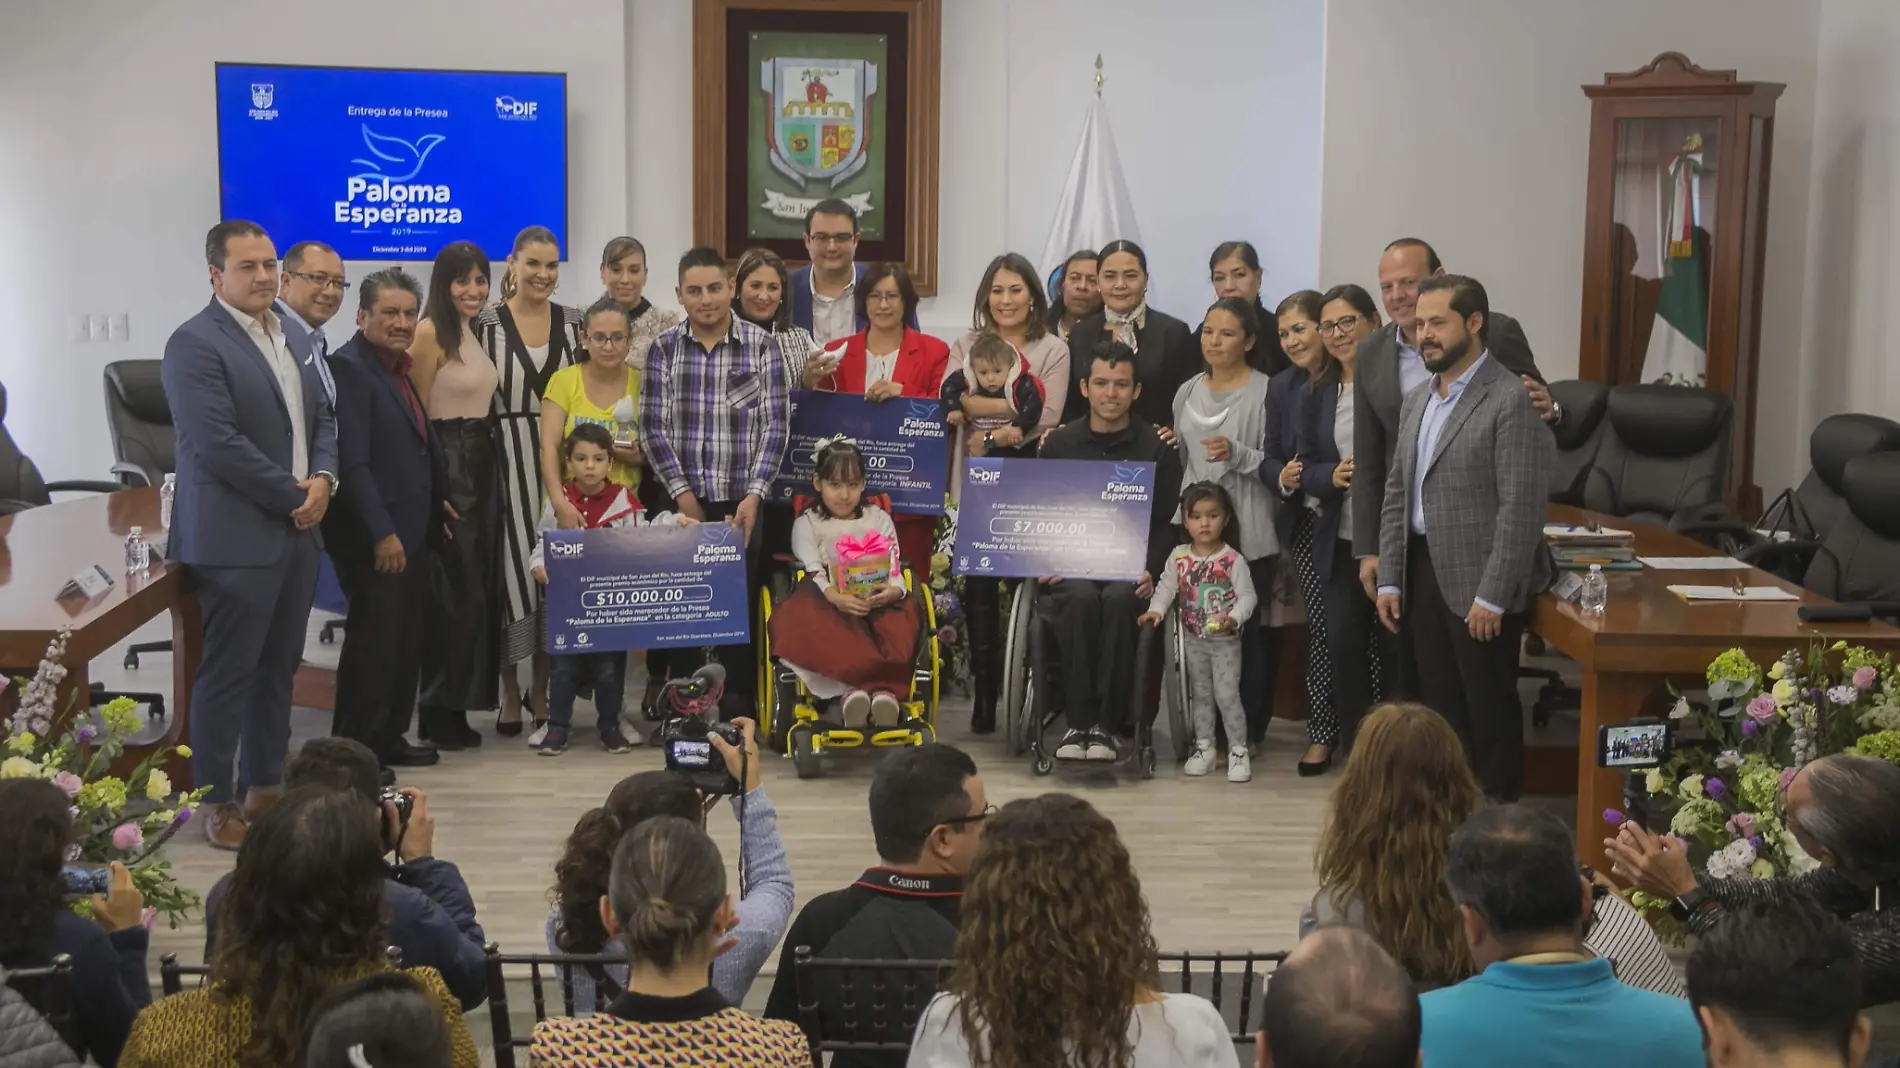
(1675, 227)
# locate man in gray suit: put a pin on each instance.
(1461, 534)
(256, 461)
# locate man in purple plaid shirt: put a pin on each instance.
(715, 415)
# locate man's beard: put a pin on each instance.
(1448, 356)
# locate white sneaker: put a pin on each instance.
(885, 711)
(856, 708)
(1239, 765)
(540, 735)
(1201, 761)
(1073, 747)
(1101, 751)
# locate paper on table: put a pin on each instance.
(1565, 530)
(1728, 593)
(1693, 563)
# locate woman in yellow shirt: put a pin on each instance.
(603, 390)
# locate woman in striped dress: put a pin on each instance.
(528, 337)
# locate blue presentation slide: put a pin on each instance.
(645, 588)
(1024, 518)
(905, 442)
(392, 164)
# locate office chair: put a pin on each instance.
(1579, 437)
(143, 442)
(1664, 456)
(1858, 561)
(21, 488)
(1811, 509)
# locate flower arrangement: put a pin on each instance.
(947, 593)
(127, 819)
(1723, 796)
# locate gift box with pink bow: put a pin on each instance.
(864, 563)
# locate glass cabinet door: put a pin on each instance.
(1664, 218)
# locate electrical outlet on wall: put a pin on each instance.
(119, 326)
(82, 327)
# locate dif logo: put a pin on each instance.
(985, 476)
(507, 107)
(565, 548)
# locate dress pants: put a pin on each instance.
(1359, 657)
(1095, 640)
(1472, 684)
(255, 623)
(1260, 652)
(381, 662)
(740, 661)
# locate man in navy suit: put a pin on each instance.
(257, 460)
(312, 289)
(379, 535)
(824, 291)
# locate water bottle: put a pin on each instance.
(138, 554)
(1596, 591)
(165, 494)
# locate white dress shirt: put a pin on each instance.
(268, 335)
(1412, 372)
(879, 368)
(834, 317)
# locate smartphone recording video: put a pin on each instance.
(1632, 745)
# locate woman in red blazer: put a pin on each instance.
(888, 359)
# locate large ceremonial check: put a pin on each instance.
(1029, 518)
(645, 588)
(905, 442)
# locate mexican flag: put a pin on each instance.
(1679, 340)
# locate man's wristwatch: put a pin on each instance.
(331, 479)
(989, 440)
(1556, 412)
(1686, 906)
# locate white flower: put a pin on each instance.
(1691, 788)
(1654, 781)
(1680, 710)
(1728, 758)
(1762, 869)
(159, 786)
(19, 768)
(1732, 859)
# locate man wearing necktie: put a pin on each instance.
(380, 534)
(1461, 531)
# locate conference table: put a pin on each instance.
(40, 549)
(1648, 638)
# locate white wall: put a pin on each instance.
(108, 162)
(1850, 352)
(1463, 122)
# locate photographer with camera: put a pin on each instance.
(109, 984)
(582, 875)
(431, 914)
(1840, 810)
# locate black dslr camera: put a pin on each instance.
(687, 709)
(405, 804)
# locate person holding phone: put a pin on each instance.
(37, 923)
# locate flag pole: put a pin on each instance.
(1098, 74)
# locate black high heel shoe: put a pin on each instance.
(505, 728)
(1311, 768)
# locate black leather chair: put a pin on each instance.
(1858, 561)
(1664, 456)
(1811, 509)
(143, 442)
(1579, 436)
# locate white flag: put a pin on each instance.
(1095, 207)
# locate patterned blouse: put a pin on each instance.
(1875, 930)
(688, 1032)
(198, 1029)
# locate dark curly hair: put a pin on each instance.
(582, 874)
(33, 839)
(1055, 944)
(304, 904)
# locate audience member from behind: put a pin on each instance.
(1840, 809)
(928, 811)
(1339, 1001)
(305, 912)
(1539, 996)
(1779, 984)
(109, 984)
(667, 903)
(379, 1021)
(581, 876)
(1056, 960)
(430, 912)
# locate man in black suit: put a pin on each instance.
(1388, 366)
(379, 538)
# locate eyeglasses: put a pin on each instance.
(831, 239)
(608, 341)
(321, 281)
(1341, 325)
(959, 821)
(883, 298)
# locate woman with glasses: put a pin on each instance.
(1234, 268)
(456, 379)
(605, 391)
(528, 337)
(888, 359)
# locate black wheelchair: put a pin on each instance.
(1032, 686)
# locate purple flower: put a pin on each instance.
(86, 733)
(184, 815)
(947, 635)
(1787, 776)
(948, 606)
(1755, 840)
(1864, 678)
(127, 836)
(1613, 817)
(68, 783)
(1715, 789)
(1749, 727)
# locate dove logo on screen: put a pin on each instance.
(507, 107)
(387, 196)
(1129, 484)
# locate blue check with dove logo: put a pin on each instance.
(1027, 518)
(905, 441)
(645, 588)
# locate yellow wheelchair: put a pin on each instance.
(792, 716)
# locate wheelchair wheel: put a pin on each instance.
(1045, 765)
(767, 693)
(1016, 711)
(805, 757)
(1147, 760)
(783, 685)
(1174, 689)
